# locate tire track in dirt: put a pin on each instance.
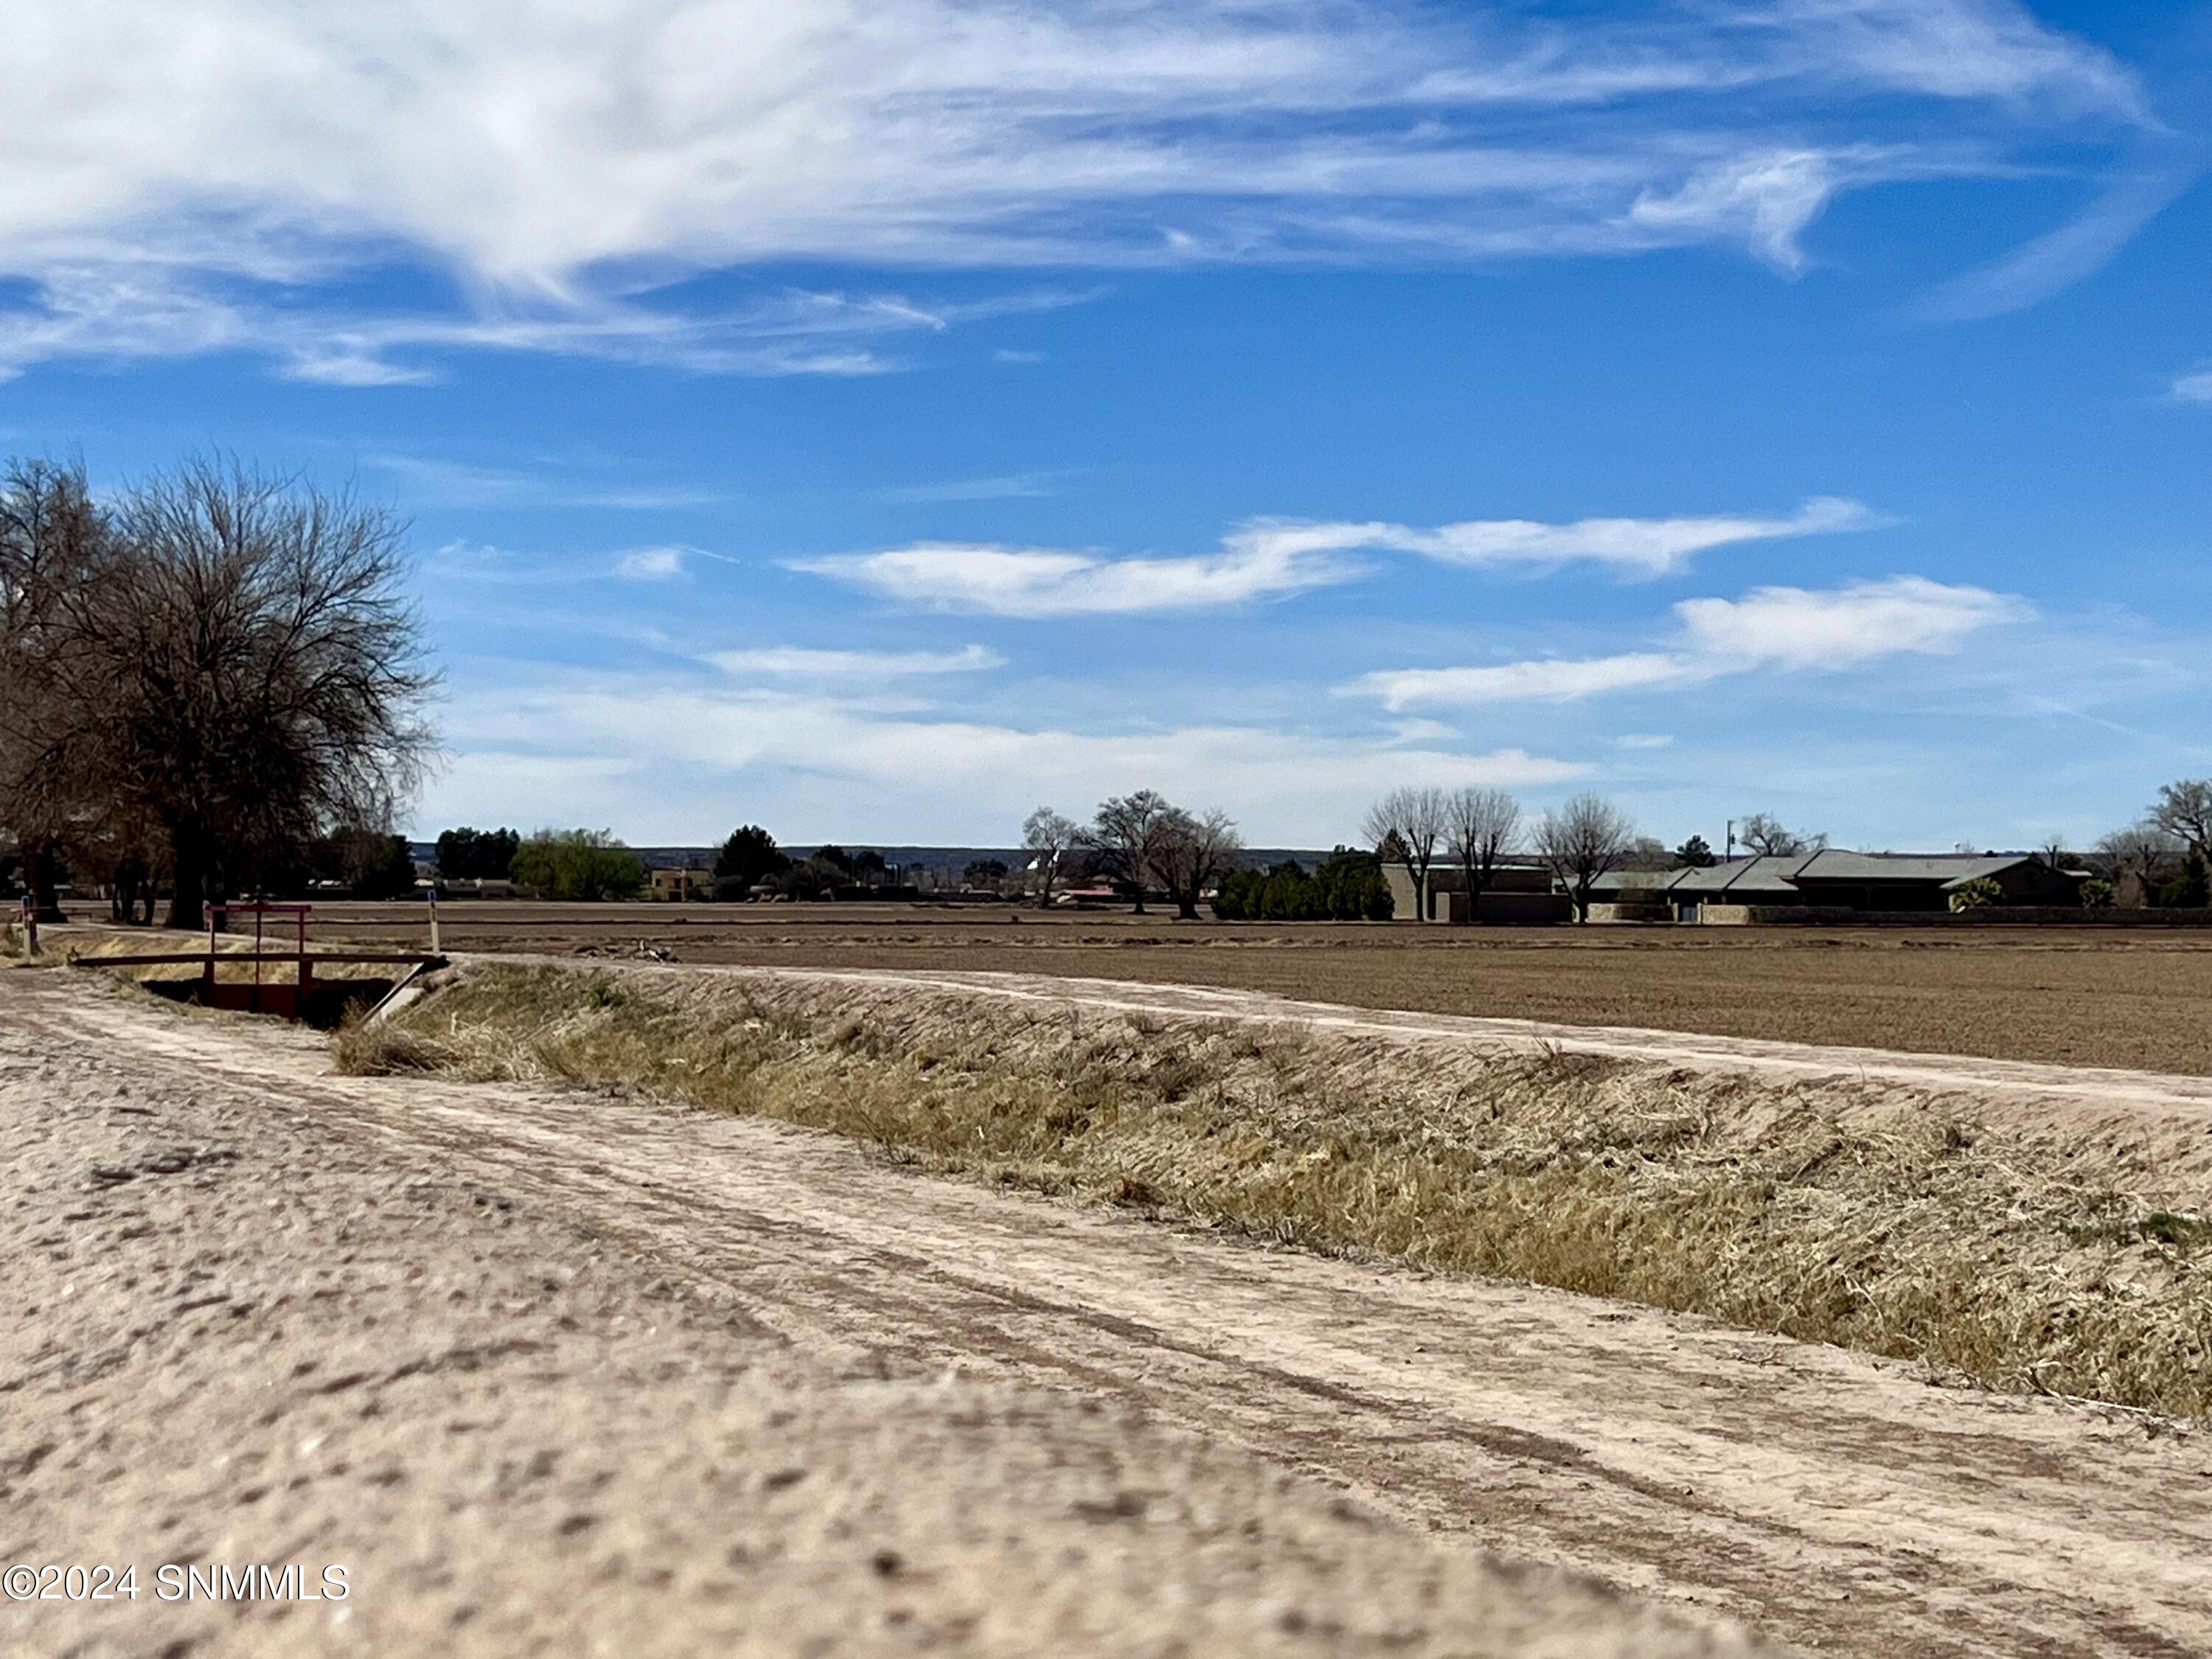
(1833, 1499)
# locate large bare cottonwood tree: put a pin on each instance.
(2183, 810)
(54, 547)
(1050, 837)
(1580, 841)
(1406, 827)
(1191, 853)
(1481, 825)
(240, 671)
(1125, 835)
(1766, 837)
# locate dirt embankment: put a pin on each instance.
(595, 1372)
(258, 1315)
(1989, 1234)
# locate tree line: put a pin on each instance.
(211, 681)
(2164, 858)
(1140, 843)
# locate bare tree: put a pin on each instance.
(1581, 842)
(1123, 836)
(2183, 810)
(1189, 854)
(1048, 836)
(1481, 825)
(54, 544)
(1764, 834)
(1407, 825)
(247, 669)
(2141, 855)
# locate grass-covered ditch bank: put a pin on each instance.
(1912, 1231)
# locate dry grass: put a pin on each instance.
(188, 950)
(1920, 1236)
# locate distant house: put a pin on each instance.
(679, 885)
(478, 887)
(1906, 881)
(1091, 897)
(1765, 881)
(1832, 879)
(1516, 892)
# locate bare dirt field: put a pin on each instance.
(2139, 998)
(587, 1372)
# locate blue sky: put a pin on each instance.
(874, 421)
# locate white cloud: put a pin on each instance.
(1544, 680)
(2195, 387)
(207, 174)
(665, 764)
(1958, 49)
(1652, 547)
(1797, 627)
(1764, 201)
(1035, 582)
(1268, 558)
(1770, 628)
(799, 662)
(1645, 740)
(650, 564)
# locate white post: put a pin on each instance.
(433, 921)
(30, 926)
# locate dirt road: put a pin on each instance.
(1834, 1501)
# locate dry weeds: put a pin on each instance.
(1922, 1236)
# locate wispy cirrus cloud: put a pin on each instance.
(1001, 487)
(223, 174)
(1642, 547)
(120, 311)
(441, 480)
(1770, 628)
(1273, 558)
(1038, 583)
(2196, 386)
(799, 662)
(650, 564)
(663, 563)
(2054, 261)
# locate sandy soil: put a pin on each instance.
(479, 1349)
(541, 1367)
(2138, 997)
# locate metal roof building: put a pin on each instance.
(1834, 879)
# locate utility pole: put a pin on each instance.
(1731, 859)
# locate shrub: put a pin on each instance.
(2190, 890)
(578, 864)
(1353, 886)
(468, 854)
(2096, 894)
(1347, 886)
(1976, 894)
(749, 856)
